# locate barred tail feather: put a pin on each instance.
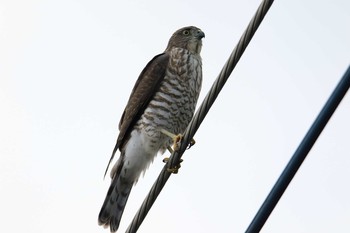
(114, 204)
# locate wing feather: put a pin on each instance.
(145, 87)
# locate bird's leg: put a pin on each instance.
(175, 169)
(176, 139)
(170, 149)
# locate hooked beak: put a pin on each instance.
(200, 34)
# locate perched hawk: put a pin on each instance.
(163, 100)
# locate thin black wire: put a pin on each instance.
(200, 114)
(300, 154)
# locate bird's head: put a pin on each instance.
(189, 38)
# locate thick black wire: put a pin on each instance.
(300, 154)
(200, 114)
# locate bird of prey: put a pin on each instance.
(161, 103)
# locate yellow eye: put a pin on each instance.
(186, 32)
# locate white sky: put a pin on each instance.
(67, 69)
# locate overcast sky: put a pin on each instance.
(67, 69)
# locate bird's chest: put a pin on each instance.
(183, 80)
(181, 86)
(174, 103)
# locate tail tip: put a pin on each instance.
(111, 221)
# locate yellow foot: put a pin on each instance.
(177, 140)
(174, 169)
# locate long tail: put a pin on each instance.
(114, 204)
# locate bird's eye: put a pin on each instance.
(186, 32)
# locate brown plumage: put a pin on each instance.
(164, 97)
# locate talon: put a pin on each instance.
(174, 169)
(166, 159)
(192, 142)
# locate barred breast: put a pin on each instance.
(173, 106)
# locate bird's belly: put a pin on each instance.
(172, 116)
(140, 151)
